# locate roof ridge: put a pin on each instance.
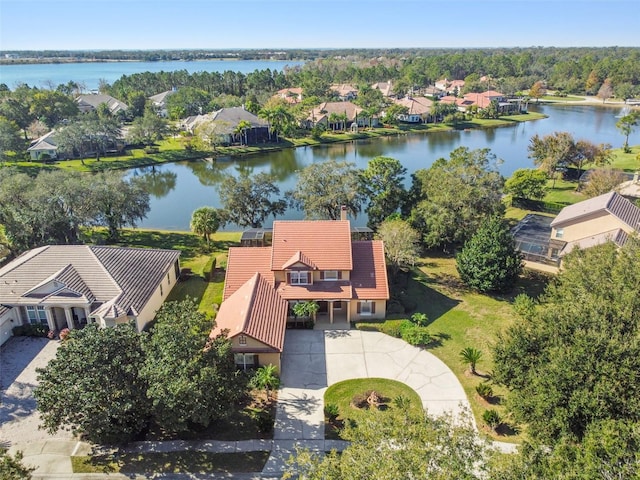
(247, 314)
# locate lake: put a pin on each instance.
(179, 188)
(90, 74)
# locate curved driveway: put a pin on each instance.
(314, 359)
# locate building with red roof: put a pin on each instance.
(307, 261)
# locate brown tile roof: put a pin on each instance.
(416, 105)
(369, 275)
(343, 89)
(338, 290)
(327, 108)
(611, 203)
(256, 310)
(242, 264)
(326, 243)
(299, 257)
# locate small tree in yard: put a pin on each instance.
(489, 261)
(205, 221)
(471, 356)
(602, 181)
(305, 309)
(11, 467)
(401, 243)
(527, 183)
(266, 377)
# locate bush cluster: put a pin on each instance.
(31, 330)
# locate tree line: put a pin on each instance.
(55, 207)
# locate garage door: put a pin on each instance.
(5, 329)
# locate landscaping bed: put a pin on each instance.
(347, 401)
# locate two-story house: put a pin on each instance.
(307, 261)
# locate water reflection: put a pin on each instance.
(157, 183)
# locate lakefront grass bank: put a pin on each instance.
(173, 149)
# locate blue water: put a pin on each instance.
(90, 74)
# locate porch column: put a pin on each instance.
(69, 316)
(330, 306)
(87, 315)
(348, 305)
(50, 320)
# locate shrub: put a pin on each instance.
(31, 330)
(402, 403)
(484, 390)
(64, 334)
(415, 335)
(420, 319)
(492, 418)
(394, 307)
(393, 328)
(331, 410)
(209, 268)
(262, 419)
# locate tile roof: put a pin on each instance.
(327, 108)
(242, 264)
(323, 290)
(94, 100)
(124, 278)
(612, 203)
(299, 257)
(256, 310)
(385, 88)
(369, 275)
(4, 309)
(326, 243)
(343, 89)
(416, 105)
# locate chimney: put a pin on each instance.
(343, 212)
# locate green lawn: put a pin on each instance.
(194, 256)
(460, 318)
(187, 461)
(629, 162)
(343, 393)
(554, 98)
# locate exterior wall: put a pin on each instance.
(264, 358)
(157, 299)
(381, 308)
(588, 226)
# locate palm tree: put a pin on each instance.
(241, 129)
(266, 377)
(471, 356)
(205, 221)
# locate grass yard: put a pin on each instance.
(194, 256)
(629, 162)
(461, 318)
(343, 393)
(187, 461)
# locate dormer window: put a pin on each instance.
(299, 278)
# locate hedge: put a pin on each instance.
(209, 268)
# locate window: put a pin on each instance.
(244, 361)
(242, 340)
(299, 278)
(331, 275)
(337, 305)
(559, 232)
(161, 293)
(168, 278)
(37, 315)
(366, 308)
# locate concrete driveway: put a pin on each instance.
(314, 360)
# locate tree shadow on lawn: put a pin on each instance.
(427, 300)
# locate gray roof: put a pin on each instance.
(4, 309)
(45, 142)
(161, 98)
(228, 118)
(611, 203)
(94, 100)
(122, 279)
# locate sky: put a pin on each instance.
(282, 24)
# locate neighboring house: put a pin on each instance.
(630, 189)
(449, 86)
(292, 95)
(159, 102)
(45, 145)
(90, 103)
(592, 222)
(227, 120)
(418, 109)
(484, 99)
(69, 286)
(307, 261)
(386, 88)
(327, 112)
(345, 91)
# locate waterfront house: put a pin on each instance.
(418, 109)
(227, 120)
(91, 101)
(338, 116)
(69, 286)
(313, 261)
